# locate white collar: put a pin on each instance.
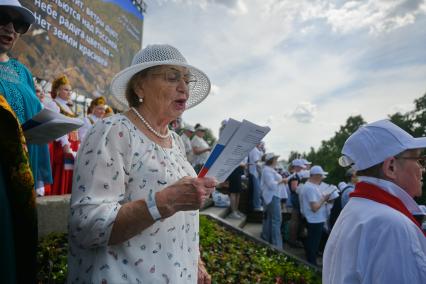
(61, 101)
(396, 191)
(93, 117)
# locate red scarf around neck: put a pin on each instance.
(375, 193)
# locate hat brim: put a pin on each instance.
(24, 12)
(197, 92)
(418, 143)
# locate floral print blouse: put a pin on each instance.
(117, 164)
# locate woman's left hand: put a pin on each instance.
(203, 276)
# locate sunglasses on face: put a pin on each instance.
(19, 26)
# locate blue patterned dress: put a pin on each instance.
(117, 164)
(17, 85)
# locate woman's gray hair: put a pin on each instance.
(131, 96)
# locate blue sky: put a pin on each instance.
(301, 67)
(128, 6)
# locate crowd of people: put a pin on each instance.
(135, 194)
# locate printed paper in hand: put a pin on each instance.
(48, 125)
(235, 143)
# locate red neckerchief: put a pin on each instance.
(375, 193)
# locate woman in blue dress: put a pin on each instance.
(17, 85)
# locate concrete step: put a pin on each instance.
(254, 229)
(239, 223)
(216, 211)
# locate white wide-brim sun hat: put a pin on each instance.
(26, 14)
(156, 55)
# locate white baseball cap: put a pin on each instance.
(269, 156)
(373, 143)
(298, 163)
(189, 128)
(306, 162)
(304, 174)
(317, 170)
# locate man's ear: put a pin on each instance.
(388, 168)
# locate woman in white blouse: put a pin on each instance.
(135, 200)
(273, 189)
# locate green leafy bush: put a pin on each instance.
(52, 258)
(231, 258)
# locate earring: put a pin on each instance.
(140, 100)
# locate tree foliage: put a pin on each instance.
(414, 122)
(329, 151)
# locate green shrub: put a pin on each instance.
(229, 258)
(52, 258)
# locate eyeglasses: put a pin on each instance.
(420, 160)
(175, 76)
(19, 26)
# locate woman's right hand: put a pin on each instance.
(186, 194)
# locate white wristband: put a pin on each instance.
(152, 207)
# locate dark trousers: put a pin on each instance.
(313, 241)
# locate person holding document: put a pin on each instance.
(312, 205)
(134, 205)
(200, 148)
(17, 85)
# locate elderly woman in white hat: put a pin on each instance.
(135, 200)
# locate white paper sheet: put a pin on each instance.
(235, 143)
(48, 125)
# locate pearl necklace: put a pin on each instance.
(149, 126)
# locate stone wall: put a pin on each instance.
(52, 213)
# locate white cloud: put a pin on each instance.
(265, 57)
(304, 112)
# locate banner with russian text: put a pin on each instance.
(89, 41)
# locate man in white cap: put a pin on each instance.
(188, 131)
(313, 201)
(376, 239)
(200, 147)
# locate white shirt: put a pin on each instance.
(116, 165)
(54, 107)
(82, 131)
(188, 147)
(269, 184)
(374, 243)
(254, 157)
(202, 144)
(308, 193)
(324, 188)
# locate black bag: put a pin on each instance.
(337, 208)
